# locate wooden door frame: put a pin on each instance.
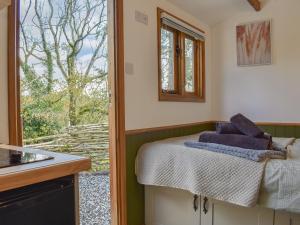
(117, 111)
(118, 151)
(14, 119)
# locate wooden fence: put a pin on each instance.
(85, 140)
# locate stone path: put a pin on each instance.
(94, 199)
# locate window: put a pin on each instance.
(168, 60)
(181, 60)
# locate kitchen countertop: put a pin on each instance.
(23, 175)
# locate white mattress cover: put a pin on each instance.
(280, 188)
(281, 183)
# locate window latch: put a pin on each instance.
(178, 50)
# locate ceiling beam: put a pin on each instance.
(255, 4)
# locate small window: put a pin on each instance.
(190, 62)
(168, 61)
(181, 60)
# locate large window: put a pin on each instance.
(181, 60)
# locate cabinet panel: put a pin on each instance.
(295, 219)
(166, 206)
(285, 218)
(207, 217)
(229, 214)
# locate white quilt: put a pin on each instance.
(169, 163)
(281, 183)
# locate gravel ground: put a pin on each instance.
(94, 199)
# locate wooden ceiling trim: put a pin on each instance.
(255, 4)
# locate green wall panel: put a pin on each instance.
(135, 191)
(282, 130)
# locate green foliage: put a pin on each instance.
(63, 65)
(38, 123)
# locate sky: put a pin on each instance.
(89, 43)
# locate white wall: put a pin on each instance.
(143, 110)
(3, 78)
(265, 93)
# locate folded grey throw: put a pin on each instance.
(226, 128)
(229, 128)
(249, 154)
(246, 126)
(236, 140)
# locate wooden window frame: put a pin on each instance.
(117, 110)
(180, 94)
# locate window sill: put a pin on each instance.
(181, 98)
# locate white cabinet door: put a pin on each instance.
(285, 218)
(166, 206)
(220, 213)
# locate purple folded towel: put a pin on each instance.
(226, 128)
(236, 140)
(246, 126)
(229, 128)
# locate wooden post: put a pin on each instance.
(255, 4)
(77, 200)
(4, 3)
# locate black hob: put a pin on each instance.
(10, 158)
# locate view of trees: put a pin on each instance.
(63, 49)
(189, 65)
(167, 60)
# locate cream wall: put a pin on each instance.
(143, 110)
(265, 93)
(3, 78)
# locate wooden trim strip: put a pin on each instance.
(154, 129)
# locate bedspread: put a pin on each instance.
(169, 163)
(227, 178)
(281, 184)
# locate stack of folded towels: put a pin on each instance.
(239, 132)
(241, 138)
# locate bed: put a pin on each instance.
(279, 187)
